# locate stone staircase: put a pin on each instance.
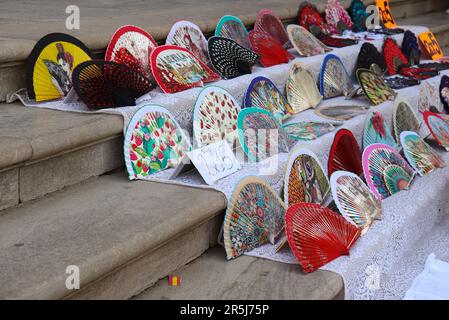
(65, 200)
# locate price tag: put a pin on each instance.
(385, 15)
(431, 46)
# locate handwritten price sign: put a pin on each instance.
(430, 45)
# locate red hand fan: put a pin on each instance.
(270, 50)
(267, 21)
(419, 73)
(318, 235)
(308, 16)
(394, 57)
(345, 154)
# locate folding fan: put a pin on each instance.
(399, 82)
(440, 66)
(419, 154)
(354, 200)
(215, 117)
(255, 216)
(418, 73)
(271, 51)
(404, 118)
(229, 58)
(305, 43)
(300, 89)
(410, 48)
(376, 90)
(318, 235)
(50, 65)
(341, 113)
(189, 36)
(132, 46)
(177, 69)
(439, 128)
(368, 56)
(394, 57)
(358, 13)
(267, 21)
(386, 172)
(304, 180)
(336, 42)
(444, 92)
(308, 130)
(308, 16)
(337, 17)
(154, 141)
(377, 131)
(262, 93)
(345, 154)
(429, 99)
(231, 27)
(260, 134)
(106, 84)
(334, 79)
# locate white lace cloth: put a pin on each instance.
(414, 223)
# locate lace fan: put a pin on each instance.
(394, 57)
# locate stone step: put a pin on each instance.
(120, 234)
(212, 277)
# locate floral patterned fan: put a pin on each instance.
(262, 93)
(308, 130)
(404, 118)
(419, 154)
(304, 180)
(376, 90)
(189, 36)
(308, 16)
(269, 49)
(229, 58)
(345, 154)
(255, 216)
(394, 57)
(444, 91)
(318, 235)
(386, 172)
(377, 131)
(267, 21)
(429, 99)
(358, 13)
(260, 134)
(334, 79)
(439, 128)
(215, 117)
(337, 16)
(300, 89)
(132, 46)
(305, 43)
(153, 142)
(233, 28)
(177, 69)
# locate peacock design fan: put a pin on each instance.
(345, 154)
(340, 112)
(308, 130)
(354, 200)
(305, 43)
(429, 99)
(377, 131)
(419, 154)
(334, 79)
(439, 128)
(132, 46)
(300, 89)
(305, 180)
(404, 118)
(215, 117)
(386, 172)
(50, 65)
(255, 216)
(267, 21)
(233, 28)
(318, 235)
(154, 141)
(269, 49)
(376, 90)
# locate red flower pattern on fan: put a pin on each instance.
(308, 15)
(378, 124)
(270, 50)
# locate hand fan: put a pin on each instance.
(308, 130)
(377, 131)
(154, 141)
(341, 113)
(300, 89)
(429, 99)
(354, 200)
(376, 90)
(418, 73)
(394, 58)
(132, 46)
(177, 69)
(334, 79)
(189, 36)
(262, 93)
(255, 215)
(318, 235)
(106, 84)
(50, 65)
(440, 66)
(267, 21)
(419, 154)
(385, 170)
(260, 134)
(305, 43)
(304, 179)
(233, 28)
(404, 118)
(336, 42)
(357, 11)
(215, 117)
(336, 15)
(444, 92)
(345, 154)
(439, 128)
(399, 82)
(308, 16)
(368, 56)
(410, 48)
(229, 58)
(269, 49)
